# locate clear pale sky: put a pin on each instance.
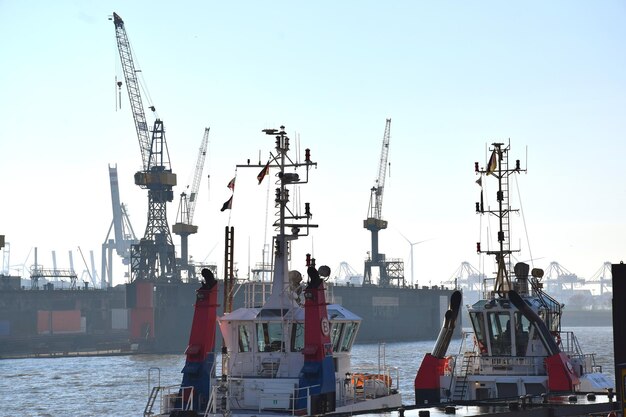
(453, 77)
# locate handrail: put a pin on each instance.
(147, 411)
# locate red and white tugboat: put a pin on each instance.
(290, 356)
(517, 347)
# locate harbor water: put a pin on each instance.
(116, 386)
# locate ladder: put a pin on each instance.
(460, 381)
(506, 228)
(151, 399)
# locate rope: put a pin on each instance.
(521, 210)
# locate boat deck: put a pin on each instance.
(556, 406)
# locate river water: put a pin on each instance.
(117, 386)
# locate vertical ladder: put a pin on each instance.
(229, 271)
(460, 381)
(506, 243)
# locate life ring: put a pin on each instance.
(448, 366)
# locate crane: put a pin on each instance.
(123, 233)
(153, 258)
(184, 226)
(374, 223)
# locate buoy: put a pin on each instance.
(424, 413)
(572, 398)
(591, 397)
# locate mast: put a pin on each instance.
(289, 225)
(498, 167)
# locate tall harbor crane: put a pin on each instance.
(153, 258)
(184, 226)
(123, 233)
(392, 269)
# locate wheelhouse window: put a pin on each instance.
(499, 325)
(244, 338)
(270, 337)
(522, 330)
(297, 337)
(478, 323)
(335, 335)
(348, 337)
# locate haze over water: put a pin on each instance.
(118, 386)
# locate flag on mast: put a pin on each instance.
(264, 172)
(231, 184)
(228, 204)
(493, 162)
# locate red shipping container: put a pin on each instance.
(58, 322)
(66, 321)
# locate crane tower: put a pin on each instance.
(388, 269)
(184, 226)
(123, 233)
(153, 258)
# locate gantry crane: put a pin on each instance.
(123, 233)
(184, 226)
(392, 269)
(153, 258)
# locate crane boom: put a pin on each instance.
(193, 196)
(132, 85)
(376, 201)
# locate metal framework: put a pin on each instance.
(186, 209)
(132, 85)
(123, 234)
(389, 270)
(498, 167)
(153, 258)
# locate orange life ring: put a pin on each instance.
(448, 366)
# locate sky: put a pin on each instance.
(547, 77)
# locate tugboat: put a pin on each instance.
(288, 356)
(517, 347)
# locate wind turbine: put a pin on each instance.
(412, 244)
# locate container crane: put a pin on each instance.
(153, 258)
(392, 269)
(184, 226)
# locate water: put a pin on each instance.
(118, 386)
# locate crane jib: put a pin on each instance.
(132, 86)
